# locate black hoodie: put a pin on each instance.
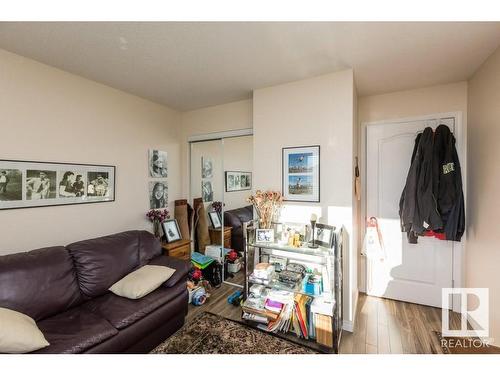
(447, 183)
(432, 198)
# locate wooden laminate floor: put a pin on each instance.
(382, 325)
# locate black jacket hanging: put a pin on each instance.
(447, 183)
(418, 207)
(432, 198)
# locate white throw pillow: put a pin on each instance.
(141, 282)
(19, 333)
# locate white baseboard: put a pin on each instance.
(348, 326)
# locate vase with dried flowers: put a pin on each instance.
(157, 217)
(268, 206)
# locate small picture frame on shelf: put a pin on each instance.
(215, 219)
(171, 230)
(323, 235)
(264, 235)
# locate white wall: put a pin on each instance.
(483, 199)
(50, 115)
(316, 111)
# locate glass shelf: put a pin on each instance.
(303, 250)
(277, 285)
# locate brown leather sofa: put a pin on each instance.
(235, 219)
(65, 290)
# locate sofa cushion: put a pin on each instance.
(100, 262)
(149, 247)
(148, 332)
(74, 331)
(181, 267)
(142, 281)
(122, 312)
(19, 333)
(39, 283)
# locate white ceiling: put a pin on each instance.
(193, 65)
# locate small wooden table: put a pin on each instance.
(178, 249)
(216, 234)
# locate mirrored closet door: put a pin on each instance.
(221, 180)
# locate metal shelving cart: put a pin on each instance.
(329, 260)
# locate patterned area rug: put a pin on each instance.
(212, 334)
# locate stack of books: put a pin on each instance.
(200, 261)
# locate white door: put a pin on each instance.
(411, 272)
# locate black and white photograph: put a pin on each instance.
(324, 235)
(207, 192)
(215, 219)
(158, 194)
(40, 184)
(25, 184)
(171, 230)
(229, 182)
(301, 174)
(98, 184)
(158, 167)
(206, 167)
(11, 185)
(71, 184)
(237, 181)
(264, 235)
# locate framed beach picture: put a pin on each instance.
(25, 184)
(301, 174)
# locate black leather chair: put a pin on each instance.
(235, 219)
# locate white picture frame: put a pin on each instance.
(264, 235)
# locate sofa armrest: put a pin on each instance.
(181, 267)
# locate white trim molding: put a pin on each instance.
(220, 135)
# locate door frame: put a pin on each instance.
(458, 270)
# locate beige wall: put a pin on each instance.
(317, 111)
(51, 115)
(483, 247)
(411, 103)
(238, 156)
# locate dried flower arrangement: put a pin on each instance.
(268, 206)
